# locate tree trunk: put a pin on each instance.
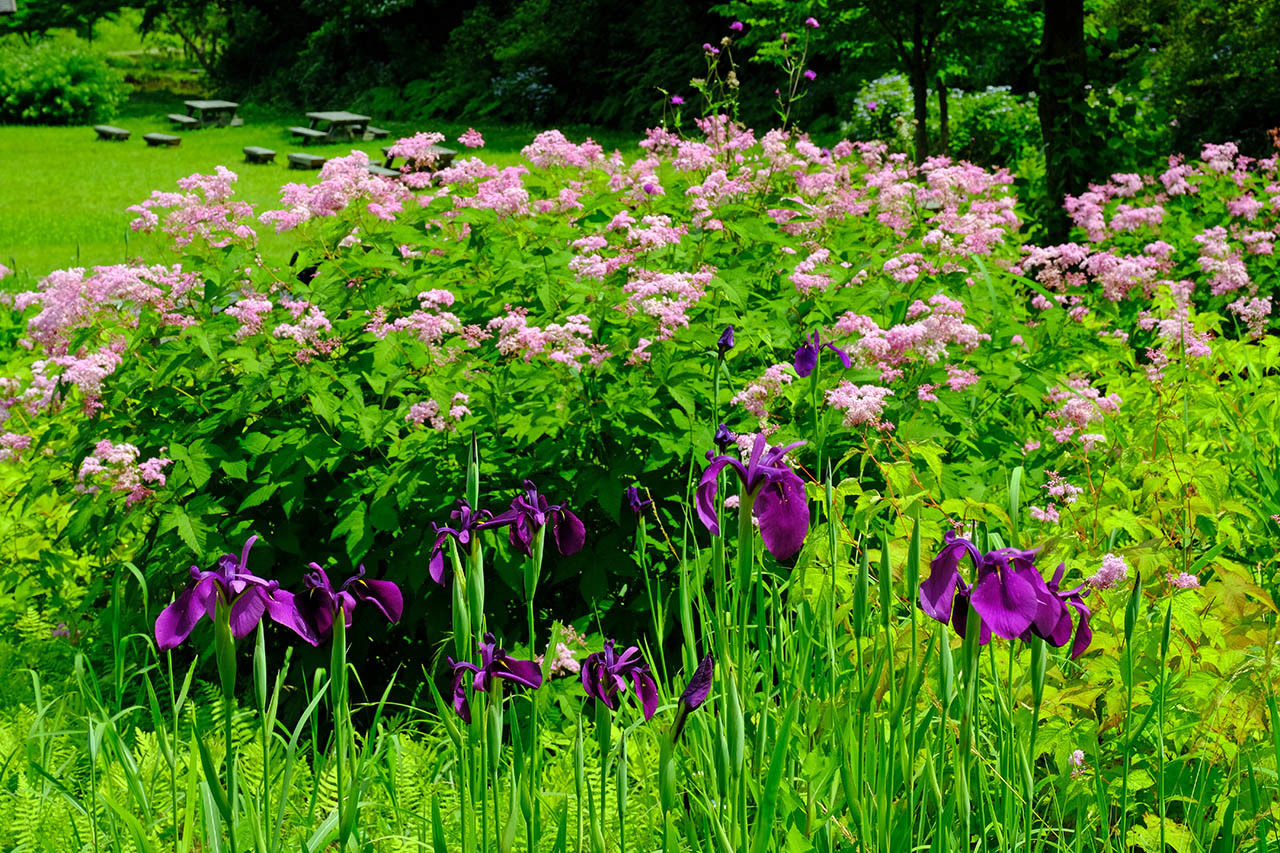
(1062, 108)
(945, 141)
(920, 83)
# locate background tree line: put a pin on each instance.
(1115, 83)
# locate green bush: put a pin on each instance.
(53, 84)
(991, 127)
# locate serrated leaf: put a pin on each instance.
(258, 496)
(190, 531)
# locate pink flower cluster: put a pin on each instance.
(1114, 570)
(344, 181)
(760, 393)
(551, 148)
(428, 411)
(205, 211)
(11, 446)
(69, 300)
(115, 466)
(932, 328)
(564, 343)
(1182, 580)
(1058, 488)
(861, 404)
(307, 330)
(666, 297)
(1081, 405)
(472, 138)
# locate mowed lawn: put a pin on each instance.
(64, 195)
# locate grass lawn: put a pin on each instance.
(64, 195)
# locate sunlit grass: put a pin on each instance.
(65, 195)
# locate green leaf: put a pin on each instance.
(190, 531)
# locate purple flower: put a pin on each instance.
(871, 106)
(710, 51)
(649, 189)
(1009, 593)
(248, 596)
(494, 663)
(725, 343)
(697, 691)
(807, 355)
(677, 100)
(779, 502)
(605, 673)
(811, 23)
(466, 521)
(634, 501)
(320, 603)
(736, 26)
(810, 75)
(1054, 621)
(724, 438)
(531, 511)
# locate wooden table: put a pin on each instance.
(220, 113)
(342, 125)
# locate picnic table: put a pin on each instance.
(207, 113)
(341, 125)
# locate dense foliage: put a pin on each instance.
(1108, 400)
(55, 84)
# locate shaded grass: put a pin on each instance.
(64, 194)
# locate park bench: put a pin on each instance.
(109, 133)
(306, 134)
(375, 169)
(305, 161)
(184, 121)
(155, 140)
(376, 133)
(257, 154)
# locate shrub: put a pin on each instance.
(991, 127)
(54, 84)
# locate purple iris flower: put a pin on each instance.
(466, 522)
(807, 355)
(320, 603)
(1008, 593)
(248, 596)
(494, 663)
(697, 691)
(531, 511)
(725, 343)
(1054, 622)
(779, 501)
(634, 500)
(605, 673)
(724, 438)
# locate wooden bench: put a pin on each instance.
(305, 161)
(184, 121)
(375, 169)
(306, 134)
(111, 134)
(155, 140)
(376, 133)
(257, 154)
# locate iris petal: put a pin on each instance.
(783, 512)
